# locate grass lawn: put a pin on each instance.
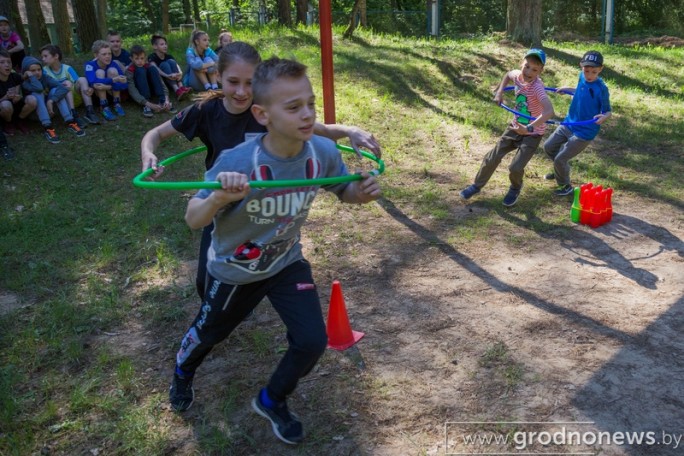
(88, 259)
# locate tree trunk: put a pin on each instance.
(363, 13)
(284, 13)
(302, 7)
(101, 6)
(38, 34)
(165, 17)
(187, 12)
(86, 25)
(524, 21)
(62, 26)
(352, 20)
(196, 13)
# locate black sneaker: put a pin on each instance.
(147, 112)
(81, 123)
(469, 191)
(92, 118)
(549, 176)
(285, 425)
(511, 197)
(564, 190)
(181, 394)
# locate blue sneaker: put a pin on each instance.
(285, 425)
(119, 110)
(469, 191)
(108, 114)
(511, 197)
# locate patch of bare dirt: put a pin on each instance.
(580, 327)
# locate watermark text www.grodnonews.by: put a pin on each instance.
(531, 437)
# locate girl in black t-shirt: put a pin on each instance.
(222, 120)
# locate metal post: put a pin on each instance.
(325, 21)
(610, 8)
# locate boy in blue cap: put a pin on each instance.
(522, 134)
(591, 100)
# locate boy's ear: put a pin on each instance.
(260, 113)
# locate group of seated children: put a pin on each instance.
(29, 88)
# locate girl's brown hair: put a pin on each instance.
(231, 53)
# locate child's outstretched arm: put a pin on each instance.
(200, 212)
(499, 94)
(150, 142)
(357, 136)
(363, 191)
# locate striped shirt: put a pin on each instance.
(528, 100)
(65, 73)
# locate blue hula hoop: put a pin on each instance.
(550, 121)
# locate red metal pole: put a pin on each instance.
(325, 20)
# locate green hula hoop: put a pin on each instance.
(139, 180)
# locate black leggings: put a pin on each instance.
(292, 294)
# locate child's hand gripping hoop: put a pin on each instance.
(550, 121)
(139, 180)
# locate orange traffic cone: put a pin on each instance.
(340, 334)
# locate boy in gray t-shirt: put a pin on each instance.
(255, 249)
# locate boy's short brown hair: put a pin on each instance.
(137, 50)
(53, 50)
(99, 45)
(156, 38)
(269, 71)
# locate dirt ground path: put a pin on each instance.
(581, 326)
(582, 329)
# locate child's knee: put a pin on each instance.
(31, 101)
(313, 343)
(6, 106)
(112, 73)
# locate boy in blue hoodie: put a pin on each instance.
(47, 92)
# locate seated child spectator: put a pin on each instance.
(145, 84)
(11, 42)
(119, 55)
(170, 71)
(225, 37)
(201, 74)
(13, 108)
(79, 91)
(47, 93)
(106, 77)
(521, 134)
